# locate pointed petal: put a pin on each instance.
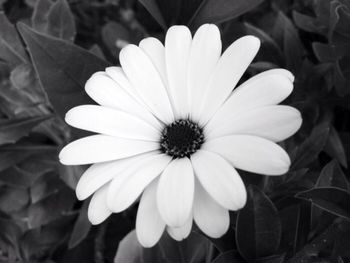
(111, 122)
(107, 92)
(219, 179)
(129, 184)
(99, 174)
(98, 210)
(149, 224)
(267, 88)
(210, 217)
(177, 49)
(156, 53)
(175, 192)
(103, 148)
(251, 153)
(146, 80)
(182, 232)
(228, 71)
(204, 55)
(274, 123)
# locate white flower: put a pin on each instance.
(172, 130)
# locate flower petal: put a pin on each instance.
(219, 179)
(182, 232)
(204, 55)
(103, 148)
(98, 210)
(146, 80)
(175, 192)
(149, 224)
(274, 123)
(210, 217)
(156, 53)
(129, 184)
(267, 88)
(177, 49)
(251, 153)
(111, 122)
(101, 173)
(228, 71)
(106, 92)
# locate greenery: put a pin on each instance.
(48, 49)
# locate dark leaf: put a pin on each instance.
(42, 212)
(331, 199)
(129, 250)
(228, 257)
(39, 16)
(218, 11)
(308, 151)
(12, 130)
(272, 259)
(332, 175)
(153, 8)
(55, 62)
(258, 230)
(11, 48)
(113, 32)
(334, 147)
(13, 199)
(81, 227)
(60, 21)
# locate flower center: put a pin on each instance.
(181, 138)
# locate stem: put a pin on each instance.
(100, 243)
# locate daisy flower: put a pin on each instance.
(172, 129)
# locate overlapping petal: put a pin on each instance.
(98, 210)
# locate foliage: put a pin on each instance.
(48, 49)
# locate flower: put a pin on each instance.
(172, 129)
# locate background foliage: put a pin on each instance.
(49, 48)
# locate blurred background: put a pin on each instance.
(48, 49)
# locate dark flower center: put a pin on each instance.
(181, 138)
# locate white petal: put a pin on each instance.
(146, 80)
(111, 122)
(268, 88)
(177, 49)
(103, 148)
(205, 53)
(180, 233)
(101, 173)
(98, 210)
(129, 184)
(274, 123)
(118, 75)
(228, 71)
(210, 217)
(251, 153)
(107, 92)
(156, 53)
(149, 224)
(219, 179)
(175, 192)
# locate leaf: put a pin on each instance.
(39, 16)
(228, 257)
(272, 259)
(11, 48)
(12, 130)
(218, 11)
(62, 67)
(111, 33)
(331, 199)
(81, 227)
(258, 230)
(153, 8)
(334, 147)
(42, 212)
(60, 21)
(309, 150)
(332, 175)
(129, 250)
